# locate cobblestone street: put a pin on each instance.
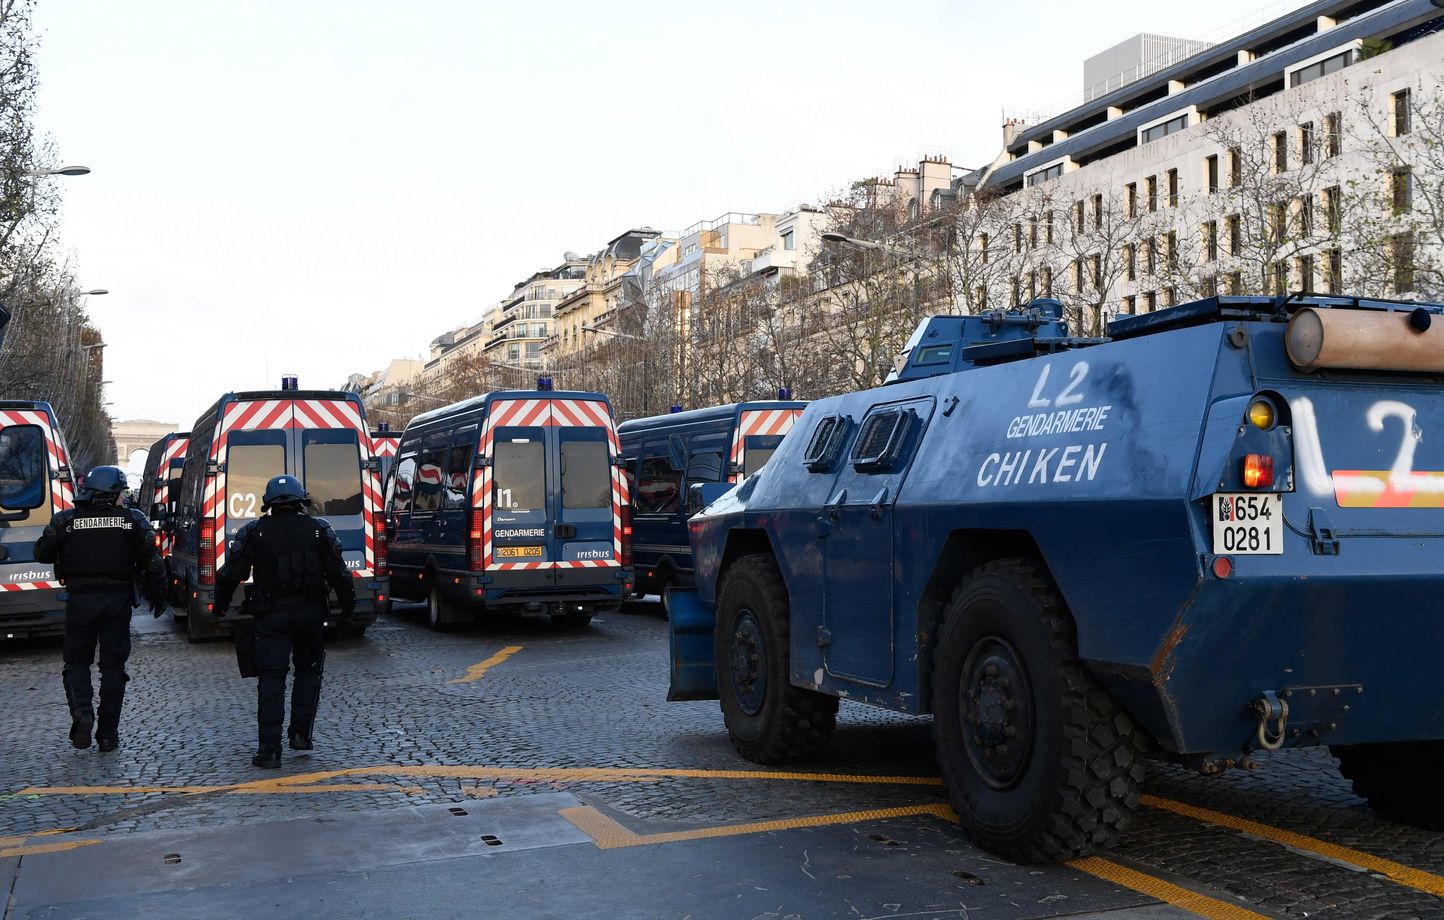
(415, 723)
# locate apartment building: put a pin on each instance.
(522, 322)
(1264, 163)
(602, 292)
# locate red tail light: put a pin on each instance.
(626, 535)
(208, 552)
(383, 566)
(1258, 471)
(476, 541)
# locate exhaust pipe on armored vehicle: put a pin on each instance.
(1366, 340)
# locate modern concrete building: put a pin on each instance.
(1246, 166)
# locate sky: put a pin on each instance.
(318, 186)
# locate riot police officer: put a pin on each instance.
(100, 551)
(294, 557)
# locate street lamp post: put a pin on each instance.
(67, 170)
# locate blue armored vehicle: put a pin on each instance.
(1216, 531)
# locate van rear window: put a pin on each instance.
(519, 477)
(248, 468)
(586, 475)
(333, 472)
(24, 473)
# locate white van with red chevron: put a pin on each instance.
(514, 499)
(35, 483)
(318, 436)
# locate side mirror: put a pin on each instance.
(702, 494)
(677, 452)
(63, 475)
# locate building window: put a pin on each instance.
(788, 242)
(1322, 68)
(1304, 272)
(1097, 212)
(1047, 282)
(1210, 241)
(1130, 198)
(1281, 152)
(1401, 256)
(1078, 275)
(1172, 250)
(1304, 216)
(1130, 261)
(1150, 259)
(1033, 232)
(1334, 271)
(1333, 134)
(983, 248)
(1279, 278)
(1078, 216)
(1235, 235)
(1235, 168)
(1278, 222)
(1048, 227)
(1151, 184)
(1173, 188)
(1170, 296)
(1401, 189)
(1017, 237)
(1306, 143)
(1150, 301)
(1130, 304)
(1235, 283)
(1173, 125)
(1043, 175)
(1210, 170)
(1210, 286)
(1402, 120)
(1096, 262)
(1333, 211)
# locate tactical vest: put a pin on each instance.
(96, 548)
(287, 552)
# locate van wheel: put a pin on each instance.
(1403, 781)
(663, 584)
(1040, 764)
(438, 611)
(384, 608)
(769, 720)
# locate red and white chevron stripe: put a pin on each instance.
(385, 445)
(545, 412)
(28, 585)
(282, 414)
(174, 450)
(760, 422)
(61, 495)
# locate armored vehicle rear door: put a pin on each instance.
(858, 545)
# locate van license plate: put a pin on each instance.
(518, 552)
(1248, 525)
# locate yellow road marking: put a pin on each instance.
(607, 834)
(11, 841)
(1395, 872)
(478, 671)
(37, 848)
(1200, 904)
(522, 774)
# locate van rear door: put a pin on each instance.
(757, 435)
(551, 494)
(32, 456)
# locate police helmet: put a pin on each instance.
(283, 490)
(103, 484)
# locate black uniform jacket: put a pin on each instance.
(255, 546)
(101, 548)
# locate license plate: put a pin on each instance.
(519, 552)
(1248, 525)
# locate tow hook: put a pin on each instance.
(1270, 708)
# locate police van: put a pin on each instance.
(514, 499)
(35, 483)
(384, 442)
(159, 491)
(236, 446)
(666, 454)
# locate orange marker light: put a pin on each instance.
(1258, 471)
(1222, 566)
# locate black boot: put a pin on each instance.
(300, 739)
(81, 725)
(107, 743)
(267, 758)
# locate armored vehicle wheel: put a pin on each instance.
(1039, 762)
(768, 719)
(1403, 781)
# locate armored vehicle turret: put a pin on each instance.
(1213, 532)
